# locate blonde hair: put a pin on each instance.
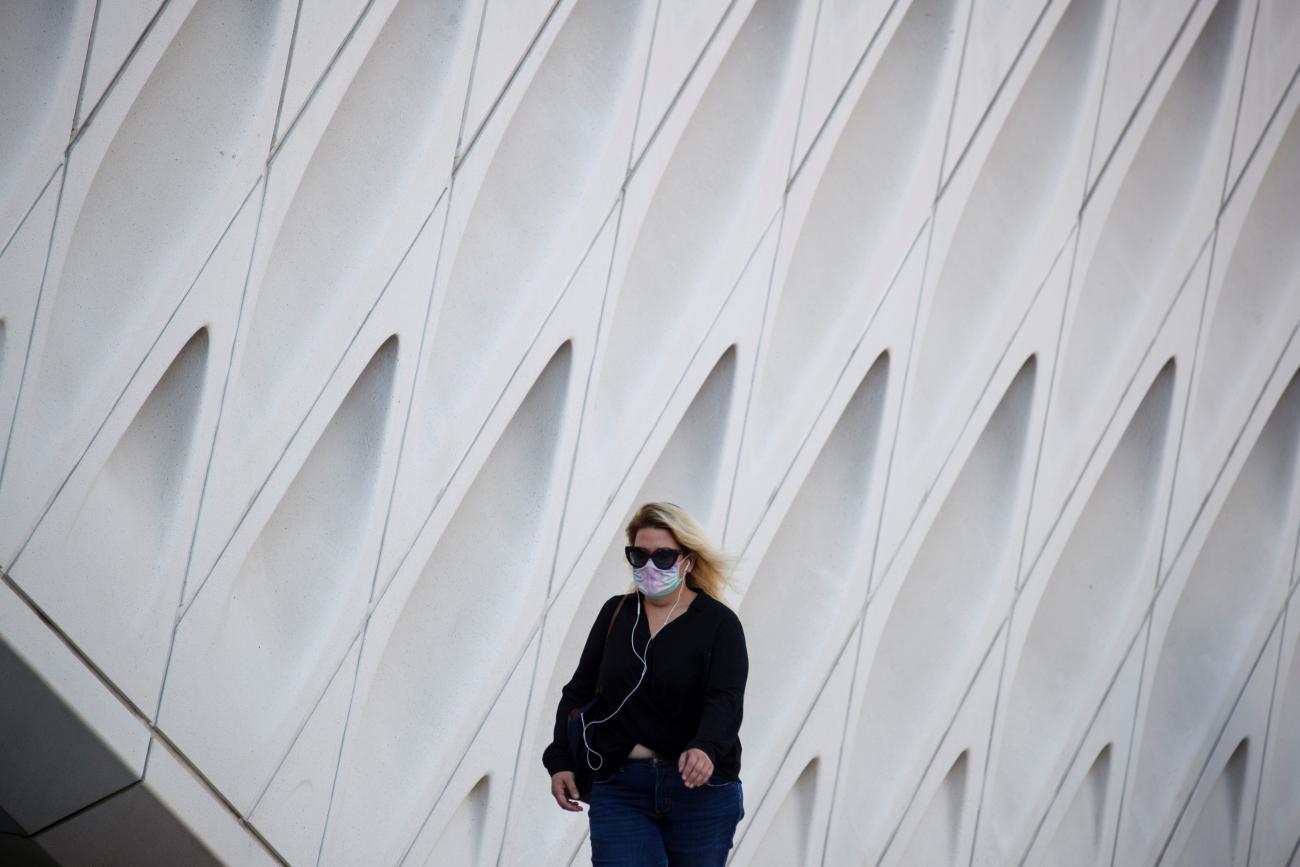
(709, 572)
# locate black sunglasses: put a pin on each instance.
(663, 557)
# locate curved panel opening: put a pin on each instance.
(244, 657)
(823, 540)
(873, 165)
(127, 531)
(945, 599)
(1089, 597)
(367, 157)
(1213, 841)
(1145, 222)
(785, 841)
(1077, 841)
(468, 600)
(694, 209)
(1220, 609)
(461, 842)
(1263, 278)
(1002, 223)
(1278, 811)
(937, 837)
(689, 468)
(538, 176)
(182, 140)
(34, 47)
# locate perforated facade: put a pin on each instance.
(339, 338)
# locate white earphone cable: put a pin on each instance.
(645, 665)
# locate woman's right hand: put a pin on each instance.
(564, 788)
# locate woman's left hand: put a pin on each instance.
(696, 767)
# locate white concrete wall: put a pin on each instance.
(339, 339)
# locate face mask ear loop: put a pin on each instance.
(644, 667)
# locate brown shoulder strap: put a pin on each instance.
(608, 631)
(617, 608)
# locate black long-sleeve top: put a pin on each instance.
(692, 696)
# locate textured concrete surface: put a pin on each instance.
(338, 339)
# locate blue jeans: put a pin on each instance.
(643, 814)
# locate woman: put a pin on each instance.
(666, 666)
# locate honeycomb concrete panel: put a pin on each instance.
(340, 338)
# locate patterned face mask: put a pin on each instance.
(655, 582)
